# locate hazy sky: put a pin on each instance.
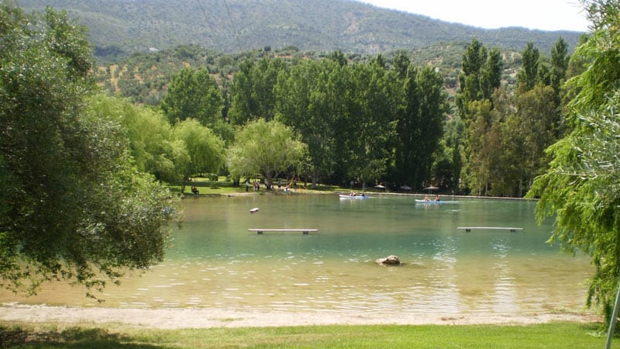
(491, 14)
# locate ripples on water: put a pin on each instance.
(216, 262)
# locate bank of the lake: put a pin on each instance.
(553, 335)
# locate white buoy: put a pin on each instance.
(254, 210)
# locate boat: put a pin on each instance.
(353, 197)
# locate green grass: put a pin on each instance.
(555, 335)
(224, 186)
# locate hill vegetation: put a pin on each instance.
(121, 27)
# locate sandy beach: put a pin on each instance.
(177, 318)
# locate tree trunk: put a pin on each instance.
(268, 179)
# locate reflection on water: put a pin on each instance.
(216, 262)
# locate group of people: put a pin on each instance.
(255, 185)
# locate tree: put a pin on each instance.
(420, 125)
(196, 95)
(538, 122)
(266, 148)
(204, 148)
(491, 74)
(528, 76)
(370, 112)
(581, 187)
(253, 90)
(479, 78)
(309, 101)
(150, 136)
(469, 77)
(73, 205)
(559, 65)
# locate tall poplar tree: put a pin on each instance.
(528, 75)
(309, 99)
(420, 125)
(480, 76)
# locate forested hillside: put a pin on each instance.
(119, 27)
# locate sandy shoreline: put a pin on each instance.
(177, 318)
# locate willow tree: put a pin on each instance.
(204, 149)
(265, 148)
(72, 205)
(151, 141)
(582, 186)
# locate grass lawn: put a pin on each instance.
(555, 335)
(223, 186)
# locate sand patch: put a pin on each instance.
(176, 318)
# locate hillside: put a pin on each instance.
(126, 26)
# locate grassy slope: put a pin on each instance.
(556, 335)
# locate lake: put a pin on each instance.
(216, 262)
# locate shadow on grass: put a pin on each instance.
(71, 338)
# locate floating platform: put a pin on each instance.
(468, 229)
(305, 231)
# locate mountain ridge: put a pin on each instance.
(310, 25)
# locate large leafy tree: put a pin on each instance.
(151, 140)
(371, 100)
(205, 149)
(72, 205)
(420, 125)
(582, 186)
(265, 148)
(252, 90)
(194, 94)
(309, 100)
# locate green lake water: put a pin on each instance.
(216, 262)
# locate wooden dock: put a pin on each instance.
(468, 229)
(305, 231)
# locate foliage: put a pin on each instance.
(419, 125)
(478, 80)
(73, 205)
(582, 185)
(506, 129)
(267, 148)
(253, 90)
(356, 117)
(308, 99)
(151, 141)
(205, 148)
(193, 94)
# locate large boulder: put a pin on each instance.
(389, 260)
